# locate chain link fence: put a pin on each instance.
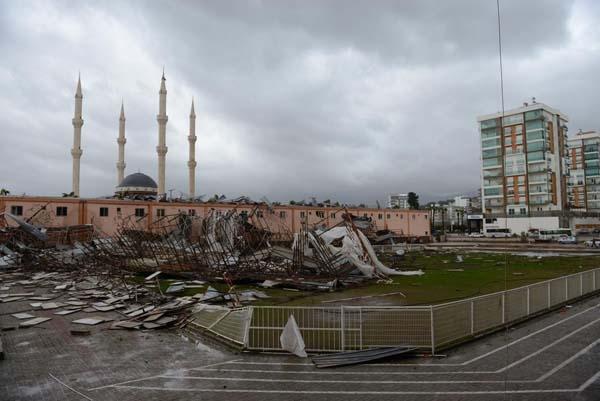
(340, 328)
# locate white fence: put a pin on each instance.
(330, 329)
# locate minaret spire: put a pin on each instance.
(162, 149)
(192, 157)
(76, 151)
(121, 140)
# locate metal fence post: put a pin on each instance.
(549, 302)
(503, 307)
(528, 302)
(361, 328)
(566, 288)
(342, 327)
(580, 284)
(472, 317)
(594, 280)
(247, 326)
(432, 330)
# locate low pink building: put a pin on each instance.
(106, 214)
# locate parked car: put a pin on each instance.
(567, 239)
(596, 231)
(583, 231)
(593, 243)
(476, 235)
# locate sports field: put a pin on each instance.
(445, 279)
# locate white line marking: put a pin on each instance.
(477, 392)
(567, 361)
(69, 387)
(539, 379)
(156, 376)
(246, 379)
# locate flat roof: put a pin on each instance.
(134, 202)
(523, 109)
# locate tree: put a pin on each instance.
(413, 200)
(4, 192)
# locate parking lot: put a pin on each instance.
(553, 357)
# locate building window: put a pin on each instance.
(523, 210)
(16, 210)
(302, 215)
(388, 216)
(511, 211)
(61, 210)
(282, 214)
(160, 212)
(425, 217)
(401, 216)
(320, 214)
(332, 215)
(380, 216)
(103, 212)
(259, 214)
(192, 212)
(140, 212)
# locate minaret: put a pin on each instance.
(121, 141)
(76, 152)
(162, 149)
(192, 159)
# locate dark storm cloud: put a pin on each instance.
(334, 99)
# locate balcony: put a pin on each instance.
(539, 201)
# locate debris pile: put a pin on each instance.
(233, 246)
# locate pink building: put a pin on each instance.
(106, 214)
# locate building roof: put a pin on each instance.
(523, 109)
(138, 180)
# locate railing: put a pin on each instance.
(339, 328)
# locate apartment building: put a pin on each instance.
(584, 171)
(524, 166)
(399, 201)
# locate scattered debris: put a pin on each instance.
(291, 338)
(90, 321)
(22, 316)
(358, 357)
(34, 322)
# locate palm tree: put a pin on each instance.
(4, 192)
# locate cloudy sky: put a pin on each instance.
(343, 100)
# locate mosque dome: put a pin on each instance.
(137, 183)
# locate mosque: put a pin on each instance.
(137, 184)
(138, 195)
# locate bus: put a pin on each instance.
(497, 232)
(553, 235)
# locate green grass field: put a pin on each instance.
(482, 273)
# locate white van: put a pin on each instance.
(497, 232)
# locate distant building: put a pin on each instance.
(398, 201)
(584, 175)
(461, 201)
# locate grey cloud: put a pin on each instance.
(341, 100)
